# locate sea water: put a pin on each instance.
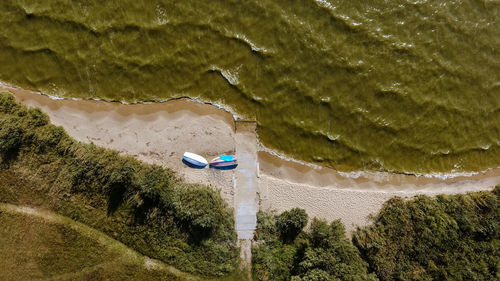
(404, 86)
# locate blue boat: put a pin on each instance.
(224, 162)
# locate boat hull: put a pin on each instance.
(194, 160)
(225, 162)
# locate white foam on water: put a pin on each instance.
(52, 97)
(325, 4)
(161, 15)
(252, 45)
(231, 77)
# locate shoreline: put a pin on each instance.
(159, 133)
(186, 103)
(324, 176)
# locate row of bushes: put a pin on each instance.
(450, 237)
(187, 225)
(285, 252)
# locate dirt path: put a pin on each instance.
(106, 241)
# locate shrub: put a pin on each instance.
(323, 253)
(11, 137)
(290, 223)
(37, 117)
(330, 255)
(195, 205)
(7, 103)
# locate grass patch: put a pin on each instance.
(33, 248)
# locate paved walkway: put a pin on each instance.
(246, 186)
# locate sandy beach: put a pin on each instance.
(156, 133)
(159, 133)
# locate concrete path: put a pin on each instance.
(246, 187)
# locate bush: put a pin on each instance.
(7, 103)
(37, 117)
(11, 137)
(290, 223)
(199, 207)
(323, 253)
(330, 255)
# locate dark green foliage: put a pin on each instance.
(451, 237)
(330, 255)
(11, 137)
(198, 206)
(144, 206)
(38, 118)
(290, 223)
(322, 253)
(7, 103)
(272, 259)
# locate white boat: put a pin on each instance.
(194, 160)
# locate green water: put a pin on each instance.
(407, 86)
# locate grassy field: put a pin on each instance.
(63, 249)
(33, 247)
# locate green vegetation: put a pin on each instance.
(144, 206)
(322, 253)
(290, 223)
(35, 249)
(447, 238)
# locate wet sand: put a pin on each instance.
(159, 133)
(364, 180)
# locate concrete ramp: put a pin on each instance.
(246, 187)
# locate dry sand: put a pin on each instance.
(159, 133)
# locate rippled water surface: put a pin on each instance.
(407, 86)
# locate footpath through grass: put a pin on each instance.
(42, 245)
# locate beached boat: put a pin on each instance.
(224, 162)
(194, 160)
